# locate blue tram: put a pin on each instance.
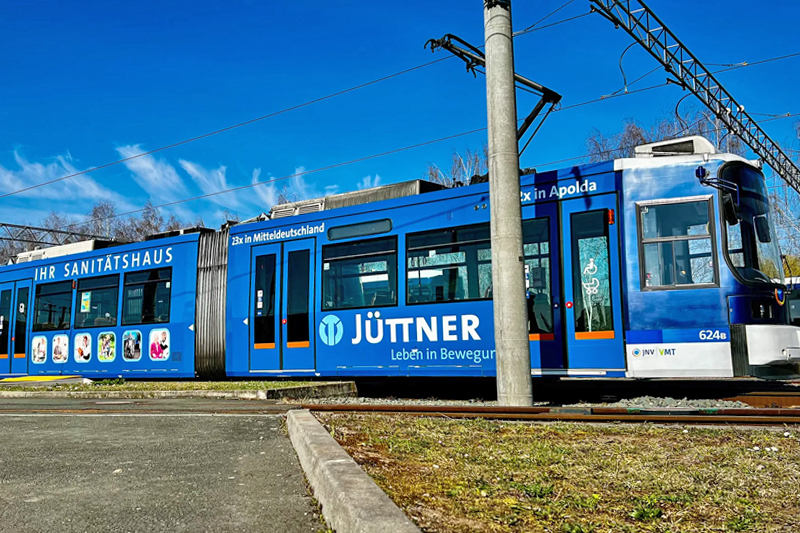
(662, 265)
(121, 311)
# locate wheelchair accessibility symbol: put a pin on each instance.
(331, 330)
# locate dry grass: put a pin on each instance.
(477, 475)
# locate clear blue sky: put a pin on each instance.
(84, 83)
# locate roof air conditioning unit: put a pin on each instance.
(684, 146)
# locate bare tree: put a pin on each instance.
(102, 220)
(462, 168)
(150, 222)
(786, 204)
(10, 249)
(230, 216)
(785, 201)
(602, 147)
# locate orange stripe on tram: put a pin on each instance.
(19, 356)
(264, 345)
(594, 335)
(3, 356)
(299, 344)
(542, 337)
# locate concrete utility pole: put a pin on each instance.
(508, 271)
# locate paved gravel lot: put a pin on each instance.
(141, 472)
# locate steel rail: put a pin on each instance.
(768, 399)
(745, 416)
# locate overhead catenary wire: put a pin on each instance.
(257, 119)
(651, 87)
(612, 150)
(344, 91)
(294, 175)
(350, 162)
(374, 156)
(251, 121)
(570, 19)
(221, 130)
(333, 95)
(749, 64)
(544, 18)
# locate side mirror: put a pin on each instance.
(730, 210)
(762, 228)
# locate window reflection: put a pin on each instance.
(677, 244)
(536, 245)
(359, 274)
(591, 272)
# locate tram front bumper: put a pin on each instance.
(773, 344)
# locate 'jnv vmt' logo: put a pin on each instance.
(331, 330)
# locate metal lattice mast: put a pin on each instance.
(42, 236)
(649, 31)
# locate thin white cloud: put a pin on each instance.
(300, 189)
(367, 182)
(331, 189)
(75, 195)
(211, 181)
(295, 189)
(157, 177)
(267, 193)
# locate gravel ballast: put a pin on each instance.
(643, 402)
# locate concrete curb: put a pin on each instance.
(351, 501)
(344, 388)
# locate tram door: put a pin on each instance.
(591, 278)
(14, 302)
(281, 306)
(6, 320)
(541, 247)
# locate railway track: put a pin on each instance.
(790, 399)
(755, 416)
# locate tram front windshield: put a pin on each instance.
(752, 245)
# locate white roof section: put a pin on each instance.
(653, 162)
(56, 251)
(682, 146)
(694, 149)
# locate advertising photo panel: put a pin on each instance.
(159, 344)
(60, 348)
(39, 347)
(106, 347)
(132, 345)
(83, 348)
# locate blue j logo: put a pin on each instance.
(331, 330)
(780, 296)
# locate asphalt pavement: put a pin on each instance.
(167, 465)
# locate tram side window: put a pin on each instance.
(52, 308)
(147, 296)
(591, 276)
(359, 274)
(677, 248)
(448, 265)
(536, 244)
(96, 302)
